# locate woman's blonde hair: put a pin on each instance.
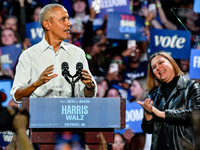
(152, 81)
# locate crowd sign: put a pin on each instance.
(196, 6)
(10, 55)
(5, 137)
(134, 116)
(124, 26)
(34, 32)
(107, 6)
(194, 70)
(5, 86)
(175, 42)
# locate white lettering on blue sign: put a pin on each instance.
(167, 41)
(127, 29)
(5, 59)
(7, 136)
(127, 23)
(134, 115)
(36, 32)
(72, 124)
(112, 3)
(70, 101)
(74, 117)
(196, 62)
(74, 109)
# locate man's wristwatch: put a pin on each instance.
(90, 89)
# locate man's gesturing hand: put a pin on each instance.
(45, 76)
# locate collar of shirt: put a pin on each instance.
(45, 45)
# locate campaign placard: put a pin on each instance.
(196, 6)
(5, 86)
(107, 6)
(74, 113)
(5, 137)
(175, 42)
(34, 32)
(194, 70)
(10, 54)
(124, 26)
(134, 116)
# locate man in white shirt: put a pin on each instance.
(39, 72)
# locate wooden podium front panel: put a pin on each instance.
(90, 136)
(46, 139)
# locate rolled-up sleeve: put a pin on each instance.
(22, 76)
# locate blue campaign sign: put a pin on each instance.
(134, 116)
(5, 86)
(75, 113)
(175, 42)
(10, 54)
(196, 7)
(34, 32)
(5, 138)
(107, 6)
(194, 70)
(124, 26)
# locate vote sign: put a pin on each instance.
(10, 54)
(6, 137)
(175, 42)
(194, 70)
(196, 6)
(34, 32)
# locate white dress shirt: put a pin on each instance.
(33, 61)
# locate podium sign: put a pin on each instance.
(74, 113)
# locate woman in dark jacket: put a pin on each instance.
(171, 103)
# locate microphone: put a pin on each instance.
(65, 69)
(79, 67)
(66, 74)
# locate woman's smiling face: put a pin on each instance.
(162, 69)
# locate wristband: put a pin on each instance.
(88, 56)
(146, 23)
(158, 5)
(90, 89)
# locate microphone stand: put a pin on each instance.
(73, 81)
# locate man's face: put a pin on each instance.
(60, 24)
(11, 23)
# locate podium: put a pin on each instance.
(50, 116)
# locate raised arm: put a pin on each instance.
(168, 24)
(28, 90)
